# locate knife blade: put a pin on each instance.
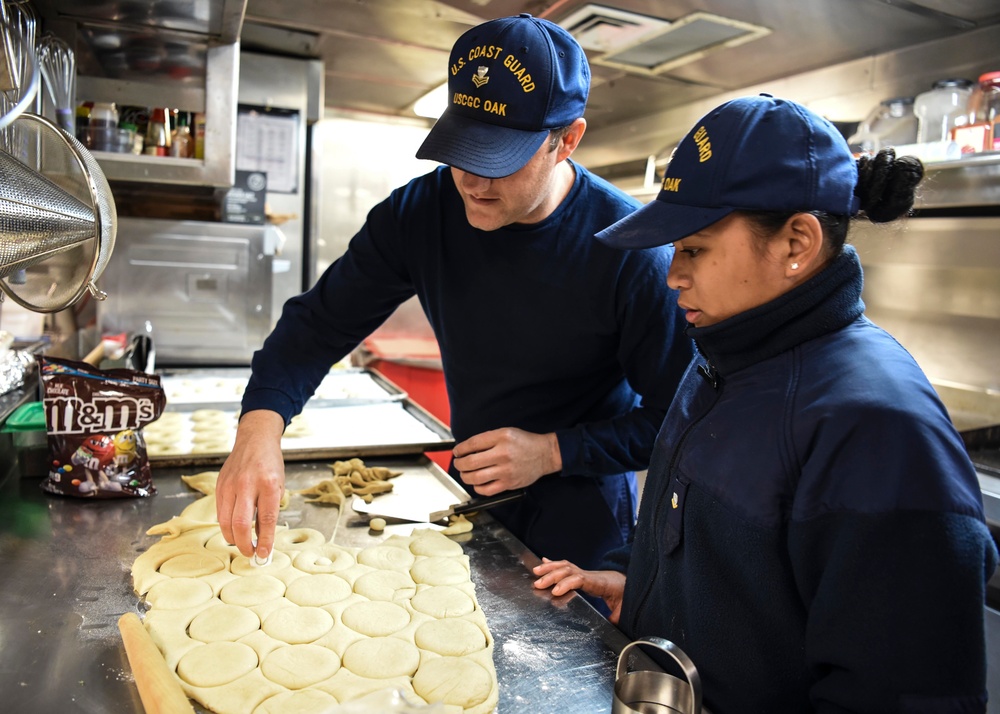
(476, 504)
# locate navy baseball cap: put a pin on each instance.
(510, 82)
(753, 153)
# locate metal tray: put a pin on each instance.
(369, 425)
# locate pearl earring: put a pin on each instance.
(795, 266)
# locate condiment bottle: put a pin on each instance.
(103, 126)
(182, 143)
(982, 132)
(891, 123)
(199, 135)
(938, 109)
(157, 134)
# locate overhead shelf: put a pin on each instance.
(971, 181)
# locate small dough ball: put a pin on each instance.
(377, 524)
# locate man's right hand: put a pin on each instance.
(251, 483)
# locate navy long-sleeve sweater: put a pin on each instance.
(540, 326)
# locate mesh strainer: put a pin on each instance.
(57, 218)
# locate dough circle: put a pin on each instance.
(179, 593)
(439, 571)
(326, 560)
(318, 590)
(297, 625)
(306, 701)
(298, 539)
(223, 623)
(241, 564)
(382, 658)
(191, 565)
(433, 543)
(298, 666)
(443, 601)
(385, 585)
(451, 637)
(386, 557)
(216, 663)
(251, 590)
(453, 680)
(375, 619)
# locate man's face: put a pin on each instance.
(526, 196)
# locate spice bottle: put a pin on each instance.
(182, 143)
(199, 135)
(980, 132)
(157, 134)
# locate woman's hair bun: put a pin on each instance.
(886, 184)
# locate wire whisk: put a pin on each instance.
(58, 65)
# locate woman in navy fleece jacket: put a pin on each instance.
(811, 532)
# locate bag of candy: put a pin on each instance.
(94, 420)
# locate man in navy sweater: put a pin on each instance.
(560, 354)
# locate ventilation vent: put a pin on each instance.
(605, 29)
(647, 45)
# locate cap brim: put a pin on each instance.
(479, 148)
(659, 223)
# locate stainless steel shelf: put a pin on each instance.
(970, 181)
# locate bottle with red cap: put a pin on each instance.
(981, 132)
(158, 134)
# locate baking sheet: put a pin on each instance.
(354, 412)
(415, 495)
(219, 388)
(316, 431)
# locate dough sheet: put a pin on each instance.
(321, 625)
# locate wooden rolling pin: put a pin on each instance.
(159, 689)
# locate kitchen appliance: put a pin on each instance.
(204, 287)
(646, 691)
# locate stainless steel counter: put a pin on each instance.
(65, 580)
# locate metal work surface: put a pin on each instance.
(66, 580)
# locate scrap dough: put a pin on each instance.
(321, 625)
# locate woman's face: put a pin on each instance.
(721, 271)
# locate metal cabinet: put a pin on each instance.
(177, 55)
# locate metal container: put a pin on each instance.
(649, 692)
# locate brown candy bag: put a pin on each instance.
(94, 419)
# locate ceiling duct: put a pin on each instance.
(646, 45)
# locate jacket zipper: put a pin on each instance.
(712, 376)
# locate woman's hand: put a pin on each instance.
(562, 576)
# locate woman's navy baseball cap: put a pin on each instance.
(753, 153)
(510, 82)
